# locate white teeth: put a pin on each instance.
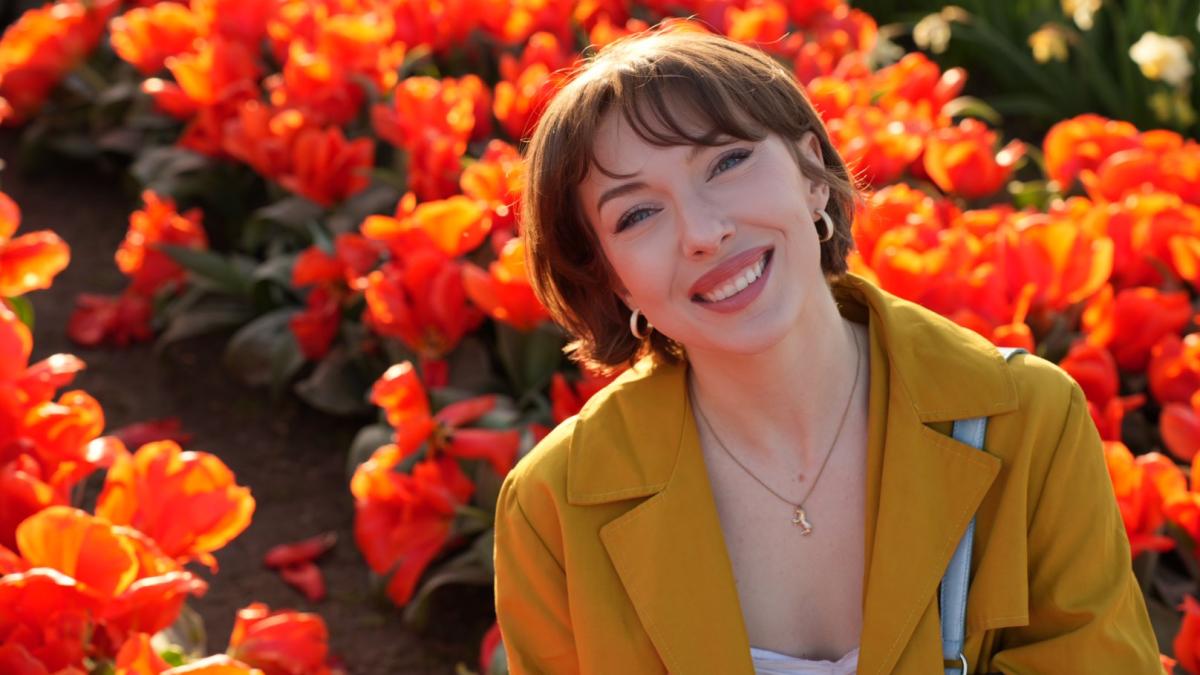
(739, 284)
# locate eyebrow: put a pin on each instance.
(626, 188)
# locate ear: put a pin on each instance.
(818, 191)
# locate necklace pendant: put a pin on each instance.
(801, 519)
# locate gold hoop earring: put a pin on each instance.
(633, 327)
(826, 224)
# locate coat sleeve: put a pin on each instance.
(1086, 612)
(531, 593)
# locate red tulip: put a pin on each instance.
(504, 291)
(1134, 321)
(280, 642)
(403, 521)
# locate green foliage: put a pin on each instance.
(993, 42)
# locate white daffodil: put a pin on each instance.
(1082, 12)
(1163, 58)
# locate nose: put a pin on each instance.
(703, 231)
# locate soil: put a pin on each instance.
(292, 457)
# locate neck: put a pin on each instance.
(781, 407)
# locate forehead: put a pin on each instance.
(627, 135)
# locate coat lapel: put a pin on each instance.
(671, 557)
(637, 438)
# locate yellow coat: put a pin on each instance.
(610, 557)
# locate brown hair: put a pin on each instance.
(740, 91)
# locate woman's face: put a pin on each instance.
(693, 224)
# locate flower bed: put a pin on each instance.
(349, 175)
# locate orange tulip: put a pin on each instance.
(155, 224)
(31, 261)
(437, 24)
(1162, 162)
(1148, 231)
(875, 146)
(567, 398)
(403, 521)
(242, 20)
(433, 120)
(147, 36)
(1174, 370)
(456, 225)
(1133, 321)
(496, 180)
(187, 502)
(314, 83)
(916, 80)
(262, 137)
(46, 622)
(1094, 369)
(218, 72)
(87, 549)
(504, 291)
(1179, 425)
(1187, 640)
(280, 643)
(400, 393)
(316, 327)
(43, 46)
(1139, 484)
(420, 301)
(762, 24)
(528, 84)
(960, 160)
(1084, 142)
(119, 320)
(1066, 263)
(23, 492)
(326, 167)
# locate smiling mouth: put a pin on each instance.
(766, 261)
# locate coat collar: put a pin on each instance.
(637, 438)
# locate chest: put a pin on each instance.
(800, 594)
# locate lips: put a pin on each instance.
(726, 270)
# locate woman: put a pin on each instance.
(773, 487)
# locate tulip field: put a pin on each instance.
(268, 347)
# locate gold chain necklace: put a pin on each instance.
(799, 517)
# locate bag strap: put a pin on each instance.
(958, 572)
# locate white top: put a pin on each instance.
(767, 662)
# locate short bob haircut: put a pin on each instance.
(738, 91)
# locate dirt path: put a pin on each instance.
(291, 457)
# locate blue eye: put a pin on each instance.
(633, 216)
(730, 160)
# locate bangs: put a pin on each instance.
(676, 111)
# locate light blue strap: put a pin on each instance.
(958, 572)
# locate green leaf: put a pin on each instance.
(529, 358)
(203, 320)
(251, 352)
(23, 308)
(223, 272)
(471, 366)
(969, 106)
(187, 634)
(166, 169)
(472, 566)
(335, 386)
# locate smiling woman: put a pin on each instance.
(779, 482)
